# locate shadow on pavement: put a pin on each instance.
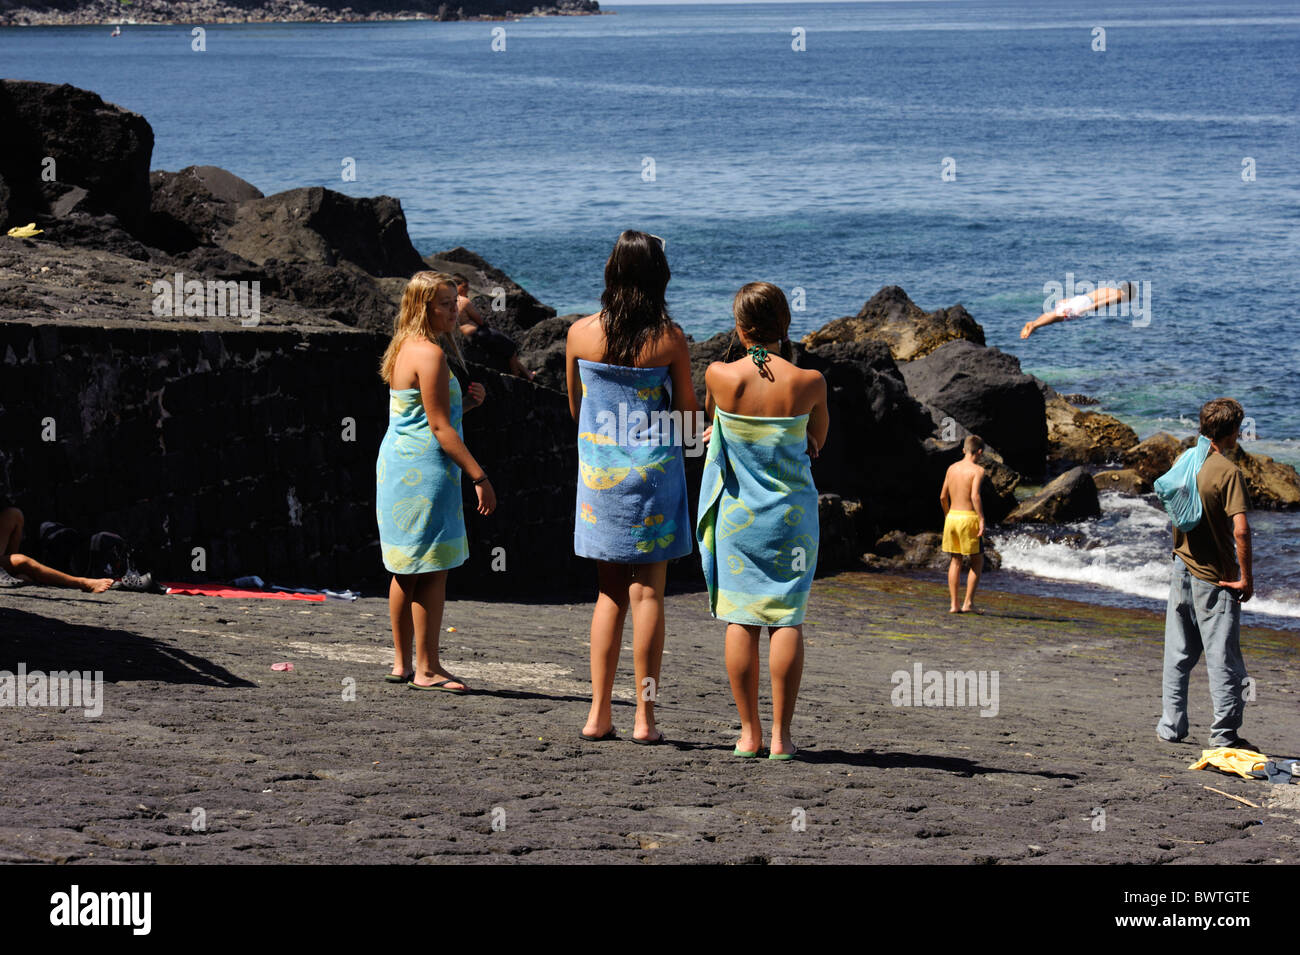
(46, 644)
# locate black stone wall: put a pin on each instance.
(233, 441)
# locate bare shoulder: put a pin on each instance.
(672, 344)
(813, 380)
(721, 373)
(584, 335)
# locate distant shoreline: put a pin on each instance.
(91, 15)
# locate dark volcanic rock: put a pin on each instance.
(94, 145)
(542, 350)
(1083, 437)
(875, 449)
(841, 522)
(1070, 497)
(317, 226)
(511, 310)
(900, 551)
(894, 319)
(1126, 481)
(1271, 484)
(83, 231)
(1154, 456)
(985, 391)
(194, 206)
(997, 493)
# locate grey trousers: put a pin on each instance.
(1202, 616)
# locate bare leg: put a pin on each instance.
(400, 593)
(742, 670)
(785, 661)
(972, 581)
(606, 640)
(11, 530)
(645, 594)
(426, 619)
(954, 580)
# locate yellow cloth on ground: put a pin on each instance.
(25, 231)
(961, 532)
(1239, 761)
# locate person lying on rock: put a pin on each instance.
(500, 348)
(963, 523)
(1079, 305)
(17, 564)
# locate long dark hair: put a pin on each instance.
(633, 313)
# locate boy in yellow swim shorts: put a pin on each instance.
(963, 524)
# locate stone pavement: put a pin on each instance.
(281, 767)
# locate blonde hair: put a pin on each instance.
(413, 320)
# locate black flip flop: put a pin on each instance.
(657, 741)
(404, 678)
(440, 685)
(611, 735)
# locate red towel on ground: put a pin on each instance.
(221, 590)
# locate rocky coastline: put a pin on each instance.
(204, 12)
(253, 442)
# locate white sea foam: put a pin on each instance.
(1128, 550)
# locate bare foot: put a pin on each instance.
(782, 745)
(953, 610)
(95, 586)
(645, 733)
(972, 610)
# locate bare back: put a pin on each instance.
(962, 485)
(738, 387)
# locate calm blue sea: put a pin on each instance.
(1168, 157)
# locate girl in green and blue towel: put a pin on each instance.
(630, 391)
(418, 490)
(757, 524)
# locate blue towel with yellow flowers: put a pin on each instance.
(418, 500)
(757, 524)
(631, 506)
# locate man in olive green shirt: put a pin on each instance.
(1212, 578)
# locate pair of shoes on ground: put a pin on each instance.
(612, 735)
(1238, 743)
(753, 754)
(409, 680)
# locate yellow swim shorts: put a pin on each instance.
(961, 533)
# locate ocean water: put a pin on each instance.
(1166, 158)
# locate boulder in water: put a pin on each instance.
(1070, 497)
(985, 391)
(891, 317)
(1154, 456)
(1124, 481)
